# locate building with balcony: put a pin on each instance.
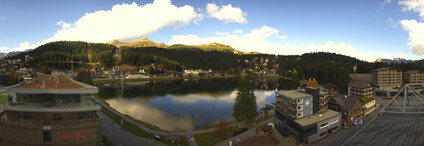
(50, 110)
(413, 76)
(305, 114)
(350, 107)
(386, 77)
(360, 89)
(368, 105)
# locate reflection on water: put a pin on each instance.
(183, 105)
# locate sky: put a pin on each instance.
(364, 29)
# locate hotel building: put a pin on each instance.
(50, 110)
(386, 77)
(305, 114)
(413, 76)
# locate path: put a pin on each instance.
(119, 136)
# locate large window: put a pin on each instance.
(47, 136)
(300, 107)
(300, 114)
(57, 117)
(83, 115)
(299, 101)
(323, 125)
(25, 116)
(333, 121)
(323, 134)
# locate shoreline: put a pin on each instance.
(180, 78)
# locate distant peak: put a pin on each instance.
(114, 42)
(145, 39)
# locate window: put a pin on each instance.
(83, 116)
(299, 101)
(26, 116)
(323, 134)
(57, 117)
(47, 136)
(323, 125)
(333, 121)
(300, 114)
(300, 107)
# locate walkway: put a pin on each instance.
(119, 136)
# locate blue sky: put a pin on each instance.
(365, 29)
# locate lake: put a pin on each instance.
(184, 105)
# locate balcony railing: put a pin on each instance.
(51, 107)
(47, 125)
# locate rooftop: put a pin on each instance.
(392, 129)
(345, 103)
(293, 93)
(366, 100)
(383, 68)
(361, 77)
(316, 118)
(413, 71)
(359, 84)
(55, 84)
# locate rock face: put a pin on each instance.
(141, 43)
(395, 60)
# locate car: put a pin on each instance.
(228, 136)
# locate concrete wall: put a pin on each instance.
(316, 136)
(307, 108)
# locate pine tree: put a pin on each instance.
(245, 102)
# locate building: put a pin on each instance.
(386, 77)
(331, 90)
(413, 76)
(368, 105)
(349, 106)
(304, 113)
(360, 89)
(50, 110)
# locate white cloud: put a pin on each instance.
(258, 41)
(63, 24)
(222, 33)
(414, 6)
(413, 27)
(416, 35)
(124, 22)
(392, 23)
(226, 13)
(238, 31)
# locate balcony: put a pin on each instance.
(52, 107)
(49, 125)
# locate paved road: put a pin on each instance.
(119, 136)
(245, 135)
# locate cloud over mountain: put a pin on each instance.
(414, 27)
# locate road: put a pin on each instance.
(119, 136)
(248, 134)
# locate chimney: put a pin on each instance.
(44, 83)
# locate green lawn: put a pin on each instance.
(3, 98)
(207, 139)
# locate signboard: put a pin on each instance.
(74, 135)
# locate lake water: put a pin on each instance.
(184, 104)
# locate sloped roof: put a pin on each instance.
(361, 77)
(345, 103)
(359, 84)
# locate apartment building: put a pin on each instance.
(50, 110)
(350, 107)
(368, 105)
(360, 89)
(386, 77)
(413, 76)
(304, 113)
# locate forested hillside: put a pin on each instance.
(327, 68)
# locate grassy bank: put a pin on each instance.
(137, 131)
(207, 139)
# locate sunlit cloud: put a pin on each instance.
(227, 13)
